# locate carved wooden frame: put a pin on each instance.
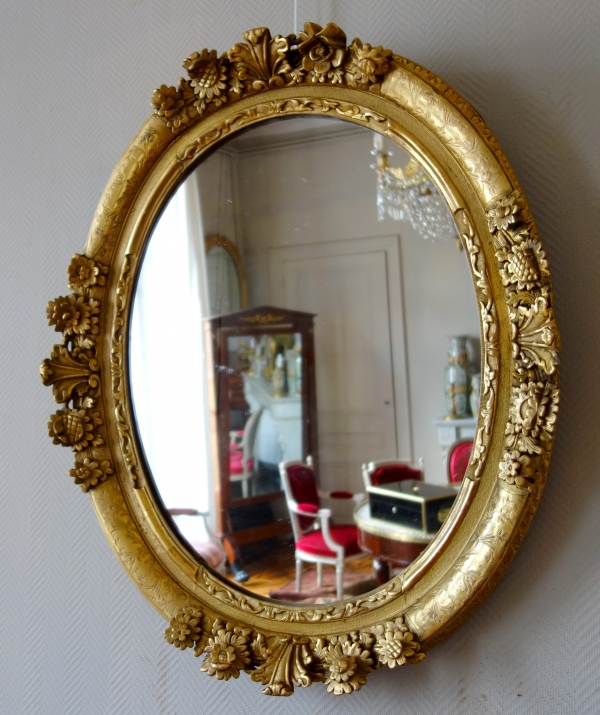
(281, 645)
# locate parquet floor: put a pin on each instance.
(277, 568)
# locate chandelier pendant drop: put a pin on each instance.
(408, 193)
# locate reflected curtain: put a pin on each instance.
(168, 359)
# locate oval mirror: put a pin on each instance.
(269, 360)
(324, 416)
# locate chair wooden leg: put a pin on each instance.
(339, 578)
(298, 575)
(319, 574)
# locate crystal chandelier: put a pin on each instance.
(409, 193)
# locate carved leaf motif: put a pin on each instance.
(67, 374)
(260, 61)
(535, 337)
(289, 662)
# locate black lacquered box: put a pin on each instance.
(411, 504)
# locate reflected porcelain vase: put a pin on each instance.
(457, 379)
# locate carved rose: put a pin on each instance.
(75, 428)
(323, 51)
(503, 213)
(208, 76)
(532, 416)
(396, 645)
(347, 662)
(367, 63)
(71, 314)
(184, 628)
(515, 468)
(84, 272)
(228, 651)
(89, 473)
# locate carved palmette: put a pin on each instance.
(535, 342)
(73, 372)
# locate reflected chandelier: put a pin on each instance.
(409, 193)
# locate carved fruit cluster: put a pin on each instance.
(73, 372)
(281, 662)
(535, 342)
(317, 55)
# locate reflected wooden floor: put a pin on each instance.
(277, 569)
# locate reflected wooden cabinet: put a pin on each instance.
(263, 411)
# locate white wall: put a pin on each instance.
(318, 191)
(77, 77)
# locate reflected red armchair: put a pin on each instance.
(317, 539)
(377, 473)
(458, 460)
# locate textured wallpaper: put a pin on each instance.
(77, 76)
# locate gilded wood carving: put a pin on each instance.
(283, 646)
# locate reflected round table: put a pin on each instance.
(388, 543)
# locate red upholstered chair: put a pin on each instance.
(241, 462)
(458, 460)
(378, 473)
(317, 540)
(210, 549)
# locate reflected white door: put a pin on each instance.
(346, 284)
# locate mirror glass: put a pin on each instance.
(307, 445)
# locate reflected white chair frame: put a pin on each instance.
(212, 537)
(320, 522)
(247, 448)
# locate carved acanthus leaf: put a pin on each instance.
(318, 55)
(73, 371)
(67, 374)
(261, 62)
(289, 661)
(535, 337)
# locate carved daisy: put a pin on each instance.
(185, 628)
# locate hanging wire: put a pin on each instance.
(296, 17)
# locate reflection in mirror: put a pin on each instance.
(310, 443)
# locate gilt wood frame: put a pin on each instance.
(280, 645)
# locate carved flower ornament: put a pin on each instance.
(89, 473)
(347, 661)
(367, 63)
(71, 314)
(515, 468)
(503, 213)
(185, 628)
(208, 75)
(228, 651)
(396, 645)
(84, 272)
(532, 416)
(323, 51)
(75, 428)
